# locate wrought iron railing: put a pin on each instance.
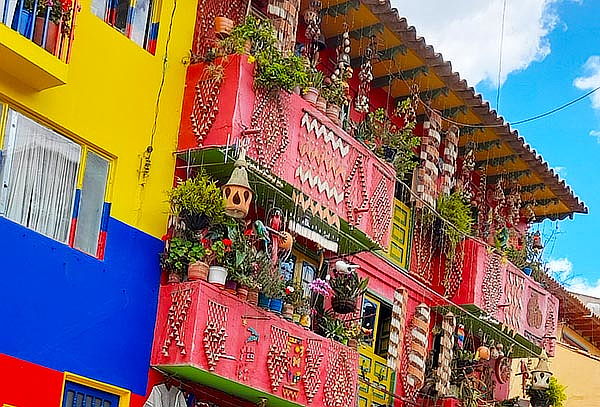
(48, 23)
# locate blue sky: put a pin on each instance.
(551, 55)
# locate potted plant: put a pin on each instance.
(254, 35)
(314, 82)
(336, 98)
(553, 396)
(181, 256)
(294, 297)
(346, 287)
(332, 327)
(217, 252)
(57, 13)
(355, 334)
(223, 26)
(197, 202)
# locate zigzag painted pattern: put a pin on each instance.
(312, 124)
(317, 158)
(322, 186)
(323, 213)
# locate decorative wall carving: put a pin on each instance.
(204, 36)
(397, 329)
(206, 101)
(417, 353)
(448, 165)
(428, 171)
(215, 334)
(444, 370)
(534, 313)
(178, 312)
(550, 327)
(314, 358)
(513, 291)
(340, 385)
(278, 357)
(492, 284)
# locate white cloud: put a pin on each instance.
(561, 171)
(562, 271)
(591, 80)
(467, 32)
(595, 133)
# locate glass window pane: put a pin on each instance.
(99, 8)
(92, 202)
(369, 317)
(39, 177)
(308, 275)
(121, 13)
(141, 14)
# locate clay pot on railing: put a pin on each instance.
(217, 275)
(223, 26)
(51, 34)
(353, 343)
(311, 95)
(321, 104)
(252, 296)
(288, 312)
(198, 271)
(242, 293)
(333, 112)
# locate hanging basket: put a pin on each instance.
(343, 305)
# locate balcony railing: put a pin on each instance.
(50, 27)
(211, 337)
(494, 285)
(335, 175)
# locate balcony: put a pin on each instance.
(328, 170)
(494, 286)
(209, 336)
(36, 45)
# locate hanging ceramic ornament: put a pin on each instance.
(361, 103)
(237, 194)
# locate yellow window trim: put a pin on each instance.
(124, 394)
(5, 105)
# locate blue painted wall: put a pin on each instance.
(71, 312)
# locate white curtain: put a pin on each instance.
(42, 177)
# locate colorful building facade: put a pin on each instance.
(97, 115)
(83, 204)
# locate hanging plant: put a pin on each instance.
(455, 209)
(553, 396)
(388, 141)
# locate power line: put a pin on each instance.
(500, 57)
(530, 119)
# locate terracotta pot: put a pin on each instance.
(333, 112)
(242, 293)
(288, 311)
(217, 275)
(198, 271)
(311, 95)
(343, 305)
(252, 297)
(51, 35)
(231, 286)
(223, 26)
(321, 104)
(173, 278)
(353, 343)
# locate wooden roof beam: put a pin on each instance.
(427, 95)
(362, 32)
(340, 8)
(381, 55)
(382, 81)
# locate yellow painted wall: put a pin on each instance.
(109, 101)
(579, 372)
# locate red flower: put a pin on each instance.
(248, 232)
(205, 242)
(67, 5)
(167, 236)
(227, 242)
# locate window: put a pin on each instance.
(79, 391)
(137, 19)
(399, 239)
(79, 395)
(53, 185)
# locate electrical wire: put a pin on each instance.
(500, 56)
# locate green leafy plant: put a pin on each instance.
(332, 327)
(526, 256)
(275, 71)
(256, 32)
(314, 78)
(390, 142)
(348, 284)
(294, 294)
(198, 201)
(556, 393)
(335, 93)
(455, 210)
(180, 254)
(271, 283)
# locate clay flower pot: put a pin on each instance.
(321, 104)
(51, 34)
(223, 26)
(311, 95)
(353, 343)
(252, 297)
(198, 271)
(231, 286)
(288, 312)
(333, 112)
(217, 275)
(242, 293)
